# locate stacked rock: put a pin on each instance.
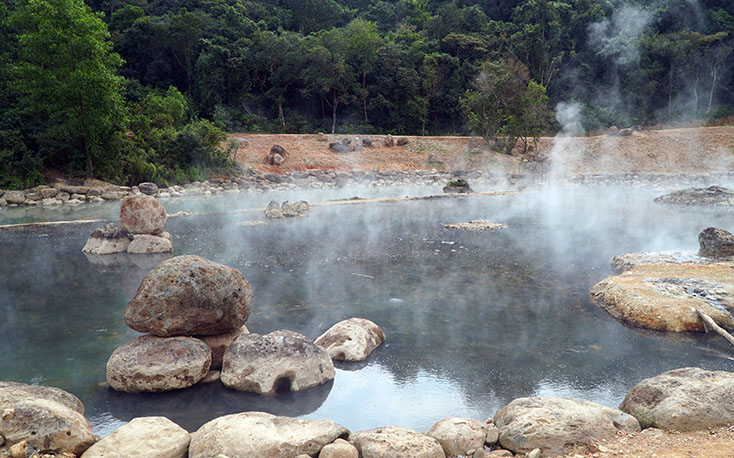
(141, 230)
(182, 297)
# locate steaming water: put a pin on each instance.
(473, 319)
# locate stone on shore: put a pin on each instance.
(148, 188)
(686, 399)
(716, 243)
(395, 442)
(149, 363)
(143, 437)
(555, 425)
(190, 295)
(713, 196)
(457, 186)
(459, 436)
(219, 343)
(146, 243)
(142, 215)
(110, 238)
(339, 449)
(47, 418)
(351, 340)
(279, 361)
(14, 197)
(262, 435)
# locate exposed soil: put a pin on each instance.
(680, 150)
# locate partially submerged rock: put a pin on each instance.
(716, 243)
(351, 340)
(47, 418)
(142, 215)
(459, 436)
(190, 295)
(279, 361)
(147, 243)
(148, 363)
(149, 437)
(458, 186)
(476, 225)
(394, 442)
(219, 343)
(713, 196)
(686, 399)
(108, 239)
(262, 435)
(556, 425)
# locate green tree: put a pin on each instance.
(65, 74)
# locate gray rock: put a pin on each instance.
(338, 148)
(716, 243)
(458, 186)
(402, 141)
(146, 243)
(110, 238)
(262, 435)
(351, 340)
(459, 436)
(395, 442)
(148, 364)
(148, 188)
(339, 449)
(686, 399)
(142, 215)
(279, 361)
(14, 197)
(219, 343)
(143, 437)
(48, 193)
(557, 425)
(190, 295)
(47, 418)
(713, 196)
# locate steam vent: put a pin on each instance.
(141, 229)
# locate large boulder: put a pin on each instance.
(47, 418)
(395, 442)
(459, 436)
(262, 435)
(149, 363)
(219, 343)
(686, 399)
(144, 437)
(190, 295)
(716, 243)
(664, 296)
(14, 197)
(556, 425)
(148, 188)
(110, 238)
(352, 339)
(147, 243)
(142, 215)
(279, 361)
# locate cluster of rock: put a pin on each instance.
(666, 292)
(713, 196)
(66, 194)
(651, 179)
(141, 229)
(349, 145)
(458, 186)
(276, 156)
(476, 225)
(41, 419)
(274, 210)
(615, 131)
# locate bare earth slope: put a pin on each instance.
(685, 150)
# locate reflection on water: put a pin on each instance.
(473, 319)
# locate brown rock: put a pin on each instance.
(716, 243)
(190, 295)
(110, 238)
(339, 449)
(149, 437)
(459, 436)
(219, 343)
(142, 215)
(395, 442)
(351, 340)
(146, 243)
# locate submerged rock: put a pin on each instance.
(557, 425)
(458, 186)
(149, 437)
(713, 196)
(395, 441)
(279, 361)
(478, 225)
(142, 215)
(108, 239)
(262, 435)
(148, 363)
(716, 243)
(47, 418)
(351, 340)
(687, 399)
(190, 295)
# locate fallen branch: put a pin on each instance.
(709, 323)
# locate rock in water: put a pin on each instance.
(149, 437)
(142, 215)
(687, 399)
(459, 436)
(149, 363)
(457, 186)
(716, 243)
(352, 339)
(279, 361)
(219, 343)
(148, 188)
(262, 435)
(558, 424)
(395, 441)
(110, 238)
(146, 243)
(713, 196)
(48, 418)
(190, 295)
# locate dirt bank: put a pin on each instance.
(697, 149)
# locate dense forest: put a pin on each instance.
(133, 90)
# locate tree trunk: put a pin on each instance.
(714, 74)
(280, 113)
(88, 153)
(333, 113)
(695, 96)
(364, 96)
(670, 92)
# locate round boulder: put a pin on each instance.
(142, 215)
(279, 361)
(262, 435)
(459, 436)
(47, 418)
(148, 188)
(108, 239)
(190, 295)
(148, 363)
(352, 339)
(556, 425)
(149, 437)
(686, 399)
(716, 243)
(395, 442)
(339, 449)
